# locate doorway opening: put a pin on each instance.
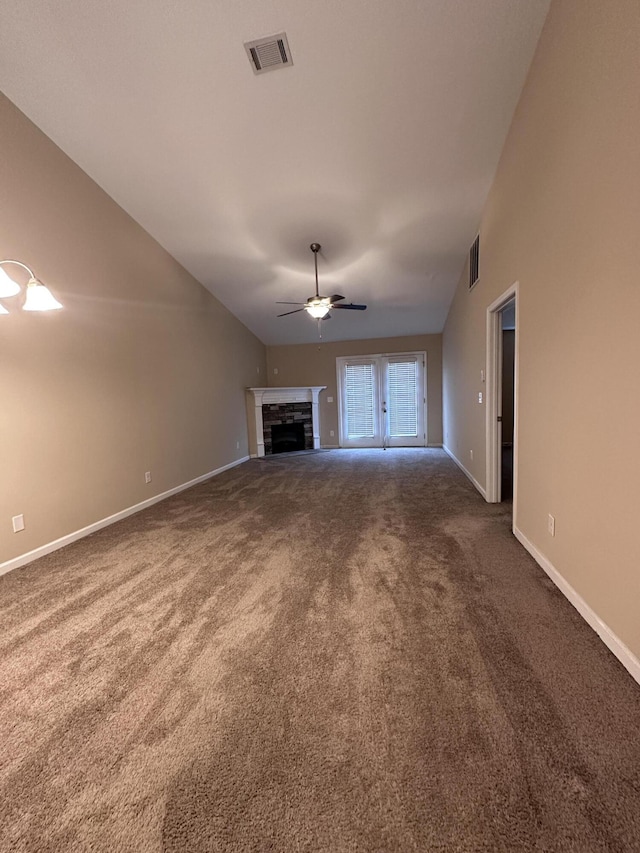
(382, 400)
(508, 317)
(502, 396)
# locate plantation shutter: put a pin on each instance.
(359, 400)
(402, 397)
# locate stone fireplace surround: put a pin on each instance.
(286, 414)
(264, 398)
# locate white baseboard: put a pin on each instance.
(464, 471)
(23, 559)
(337, 446)
(615, 645)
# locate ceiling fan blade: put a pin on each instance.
(291, 312)
(290, 303)
(335, 298)
(351, 307)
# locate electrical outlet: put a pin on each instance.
(329, 399)
(480, 396)
(237, 445)
(275, 370)
(331, 433)
(18, 523)
(471, 455)
(551, 525)
(147, 476)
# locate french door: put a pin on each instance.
(382, 400)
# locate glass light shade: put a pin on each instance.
(8, 287)
(39, 298)
(318, 308)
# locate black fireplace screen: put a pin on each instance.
(287, 437)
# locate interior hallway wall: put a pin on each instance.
(563, 218)
(143, 371)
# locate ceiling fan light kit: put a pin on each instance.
(319, 307)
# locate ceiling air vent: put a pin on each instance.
(474, 262)
(269, 53)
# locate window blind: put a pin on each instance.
(359, 399)
(402, 402)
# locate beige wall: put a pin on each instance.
(563, 219)
(143, 370)
(315, 364)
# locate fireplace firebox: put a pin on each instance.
(286, 438)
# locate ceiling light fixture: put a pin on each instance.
(318, 306)
(37, 296)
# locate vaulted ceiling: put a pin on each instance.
(380, 141)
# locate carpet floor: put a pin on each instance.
(342, 651)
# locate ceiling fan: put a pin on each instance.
(319, 307)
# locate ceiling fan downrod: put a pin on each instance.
(315, 248)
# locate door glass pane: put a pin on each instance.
(359, 400)
(402, 402)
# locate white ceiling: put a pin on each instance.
(380, 142)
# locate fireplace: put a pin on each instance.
(269, 407)
(297, 420)
(286, 438)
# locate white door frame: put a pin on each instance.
(493, 392)
(378, 438)
(378, 359)
(421, 409)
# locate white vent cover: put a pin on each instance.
(269, 53)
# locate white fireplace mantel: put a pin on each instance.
(301, 394)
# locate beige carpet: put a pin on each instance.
(342, 651)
